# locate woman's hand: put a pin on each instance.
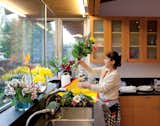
(84, 85)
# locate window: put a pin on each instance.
(20, 36)
(70, 28)
(51, 29)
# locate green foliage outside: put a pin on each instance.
(5, 39)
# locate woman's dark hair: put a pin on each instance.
(113, 55)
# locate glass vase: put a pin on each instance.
(22, 106)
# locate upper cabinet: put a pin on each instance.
(136, 39)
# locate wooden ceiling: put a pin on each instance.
(64, 8)
(31, 8)
(57, 8)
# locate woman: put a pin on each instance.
(108, 88)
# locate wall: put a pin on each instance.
(149, 8)
(140, 70)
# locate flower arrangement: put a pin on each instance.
(62, 66)
(37, 74)
(67, 66)
(23, 84)
(16, 73)
(84, 46)
(69, 99)
(22, 91)
(40, 74)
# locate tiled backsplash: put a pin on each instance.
(140, 70)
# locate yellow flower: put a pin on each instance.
(76, 90)
(35, 70)
(39, 78)
(27, 58)
(92, 39)
(45, 72)
(6, 76)
(42, 72)
(21, 70)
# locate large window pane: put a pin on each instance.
(19, 36)
(70, 28)
(51, 40)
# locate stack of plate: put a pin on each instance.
(128, 89)
(145, 88)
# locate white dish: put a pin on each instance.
(145, 88)
(128, 89)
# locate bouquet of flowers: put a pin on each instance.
(85, 45)
(69, 99)
(24, 84)
(21, 91)
(37, 74)
(40, 74)
(62, 66)
(67, 66)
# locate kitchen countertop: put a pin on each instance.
(140, 93)
(12, 117)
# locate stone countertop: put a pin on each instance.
(140, 93)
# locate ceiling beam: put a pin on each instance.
(97, 7)
(93, 7)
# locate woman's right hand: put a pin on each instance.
(84, 85)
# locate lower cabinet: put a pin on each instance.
(140, 110)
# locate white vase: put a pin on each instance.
(65, 79)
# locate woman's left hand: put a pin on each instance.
(84, 85)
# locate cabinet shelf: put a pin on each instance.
(116, 32)
(152, 33)
(134, 46)
(134, 32)
(116, 45)
(98, 32)
(151, 46)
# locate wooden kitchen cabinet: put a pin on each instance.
(144, 40)
(108, 35)
(136, 39)
(140, 110)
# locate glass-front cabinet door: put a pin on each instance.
(116, 35)
(97, 28)
(152, 39)
(134, 39)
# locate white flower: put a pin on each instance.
(14, 83)
(22, 84)
(77, 98)
(25, 91)
(9, 91)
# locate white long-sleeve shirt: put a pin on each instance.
(108, 86)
